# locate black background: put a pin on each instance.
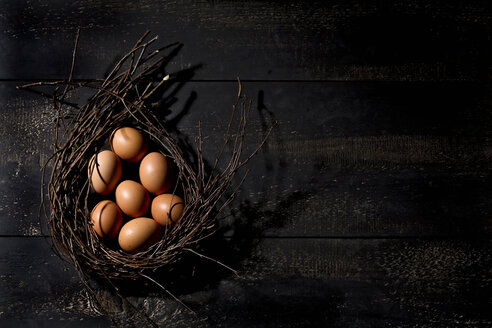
(369, 205)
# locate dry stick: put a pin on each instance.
(49, 96)
(122, 60)
(130, 303)
(229, 124)
(213, 260)
(70, 76)
(201, 164)
(87, 84)
(169, 293)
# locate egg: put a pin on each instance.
(106, 219)
(132, 198)
(139, 234)
(167, 209)
(128, 143)
(155, 173)
(104, 172)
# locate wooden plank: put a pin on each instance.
(365, 159)
(283, 282)
(356, 40)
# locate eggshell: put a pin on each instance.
(106, 219)
(128, 143)
(104, 172)
(132, 198)
(139, 234)
(155, 173)
(165, 203)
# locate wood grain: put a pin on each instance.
(268, 40)
(283, 282)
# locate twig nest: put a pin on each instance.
(81, 223)
(123, 103)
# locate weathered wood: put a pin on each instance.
(365, 159)
(368, 207)
(283, 283)
(337, 40)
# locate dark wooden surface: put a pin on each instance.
(369, 206)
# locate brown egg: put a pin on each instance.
(139, 234)
(165, 203)
(104, 172)
(132, 198)
(155, 173)
(106, 219)
(128, 143)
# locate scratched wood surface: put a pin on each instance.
(369, 205)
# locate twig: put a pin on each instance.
(213, 260)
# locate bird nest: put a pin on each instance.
(124, 98)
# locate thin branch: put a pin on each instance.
(213, 260)
(169, 293)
